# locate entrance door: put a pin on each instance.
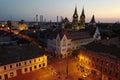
(6, 76)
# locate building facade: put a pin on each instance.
(18, 68)
(60, 44)
(99, 66)
(64, 42)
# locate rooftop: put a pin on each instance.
(110, 47)
(16, 53)
(81, 34)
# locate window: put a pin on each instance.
(69, 44)
(97, 59)
(109, 79)
(16, 65)
(4, 67)
(30, 61)
(63, 49)
(34, 60)
(43, 64)
(111, 65)
(30, 68)
(110, 72)
(39, 65)
(11, 74)
(25, 63)
(19, 64)
(35, 67)
(10, 66)
(105, 70)
(25, 69)
(101, 62)
(116, 75)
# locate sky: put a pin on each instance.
(104, 10)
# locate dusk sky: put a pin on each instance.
(104, 10)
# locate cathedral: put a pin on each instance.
(78, 24)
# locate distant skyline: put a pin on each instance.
(104, 10)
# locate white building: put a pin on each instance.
(63, 42)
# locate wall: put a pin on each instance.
(99, 63)
(12, 70)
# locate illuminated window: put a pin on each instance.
(11, 74)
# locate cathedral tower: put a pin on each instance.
(75, 19)
(82, 20)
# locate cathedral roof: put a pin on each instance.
(81, 34)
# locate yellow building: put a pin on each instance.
(21, 62)
(18, 26)
(23, 27)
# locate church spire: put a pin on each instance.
(82, 20)
(82, 14)
(75, 15)
(92, 22)
(75, 18)
(93, 19)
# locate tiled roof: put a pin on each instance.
(15, 53)
(103, 48)
(81, 34)
(61, 32)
